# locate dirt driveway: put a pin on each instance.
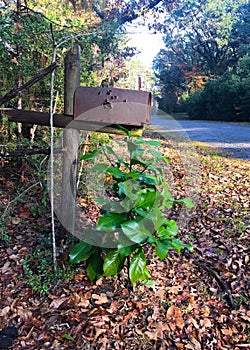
(229, 137)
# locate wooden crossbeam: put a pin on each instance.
(63, 121)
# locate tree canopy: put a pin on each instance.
(204, 40)
(30, 30)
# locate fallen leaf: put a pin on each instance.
(151, 335)
(99, 331)
(173, 312)
(84, 303)
(100, 299)
(175, 317)
(227, 331)
(6, 267)
(138, 331)
(197, 345)
(113, 307)
(24, 213)
(56, 303)
(15, 221)
(24, 313)
(4, 311)
(205, 322)
(174, 289)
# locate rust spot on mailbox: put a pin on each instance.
(112, 106)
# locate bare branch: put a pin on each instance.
(27, 152)
(132, 15)
(129, 13)
(15, 91)
(198, 262)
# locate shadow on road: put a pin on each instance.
(228, 137)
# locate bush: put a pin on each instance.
(131, 214)
(227, 98)
(195, 106)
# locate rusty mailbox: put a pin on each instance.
(111, 106)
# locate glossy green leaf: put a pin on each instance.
(148, 283)
(140, 140)
(89, 155)
(164, 233)
(124, 241)
(101, 200)
(94, 268)
(137, 268)
(146, 201)
(176, 244)
(136, 161)
(130, 188)
(162, 250)
(171, 226)
(141, 212)
(156, 217)
(115, 206)
(166, 160)
(126, 251)
(132, 146)
(80, 252)
(149, 179)
(110, 221)
(99, 238)
(135, 231)
(116, 172)
(132, 175)
(113, 263)
(100, 168)
(155, 153)
(186, 201)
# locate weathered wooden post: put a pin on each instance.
(70, 143)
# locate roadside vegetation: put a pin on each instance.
(174, 288)
(186, 306)
(204, 68)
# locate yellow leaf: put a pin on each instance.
(173, 312)
(227, 331)
(205, 311)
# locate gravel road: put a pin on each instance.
(229, 137)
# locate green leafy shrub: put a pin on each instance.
(131, 214)
(38, 273)
(195, 105)
(226, 98)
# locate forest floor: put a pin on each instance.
(188, 308)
